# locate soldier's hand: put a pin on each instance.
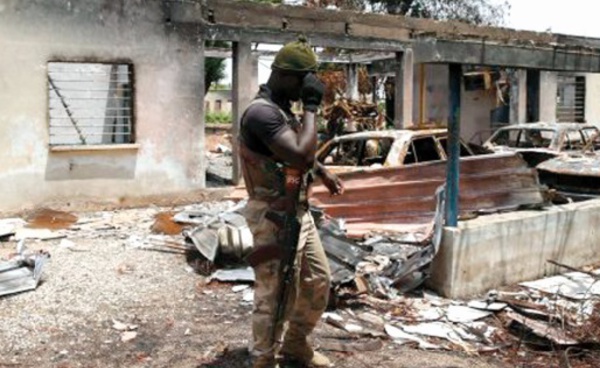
(333, 183)
(312, 92)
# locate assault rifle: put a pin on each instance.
(291, 229)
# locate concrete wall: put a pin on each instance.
(435, 96)
(475, 112)
(210, 101)
(168, 156)
(505, 249)
(592, 99)
(548, 88)
(475, 105)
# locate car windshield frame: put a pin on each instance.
(530, 143)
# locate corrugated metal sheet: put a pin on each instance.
(402, 198)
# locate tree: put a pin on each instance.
(483, 12)
(214, 68)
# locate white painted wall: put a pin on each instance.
(168, 85)
(592, 99)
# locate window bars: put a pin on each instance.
(90, 103)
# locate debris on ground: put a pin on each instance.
(380, 300)
(23, 271)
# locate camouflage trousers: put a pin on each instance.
(307, 299)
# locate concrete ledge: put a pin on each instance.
(504, 249)
(95, 147)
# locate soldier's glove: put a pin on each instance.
(312, 92)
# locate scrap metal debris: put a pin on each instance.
(23, 272)
(385, 266)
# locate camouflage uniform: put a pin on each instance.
(264, 180)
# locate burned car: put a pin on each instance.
(386, 148)
(574, 174)
(538, 142)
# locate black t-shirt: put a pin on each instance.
(262, 123)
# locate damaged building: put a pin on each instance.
(104, 101)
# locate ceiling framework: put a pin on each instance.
(431, 41)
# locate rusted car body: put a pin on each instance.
(538, 142)
(391, 178)
(386, 148)
(574, 174)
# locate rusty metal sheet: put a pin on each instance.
(389, 199)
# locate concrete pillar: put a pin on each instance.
(352, 81)
(242, 93)
(548, 90)
(254, 74)
(518, 97)
(201, 162)
(403, 96)
(592, 91)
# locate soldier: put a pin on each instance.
(271, 141)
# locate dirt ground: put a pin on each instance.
(98, 285)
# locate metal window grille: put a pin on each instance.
(570, 106)
(90, 103)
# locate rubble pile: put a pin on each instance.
(343, 115)
(554, 314)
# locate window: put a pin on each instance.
(524, 138)
(90, 103)
(464, 149)
(358, 152)
(570, 106)
(426, 149)
(218, 105)
(536, 138)
(574, 140)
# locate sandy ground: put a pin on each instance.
(100, 285)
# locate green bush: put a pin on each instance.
(218, 118)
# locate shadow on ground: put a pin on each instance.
(235, 358)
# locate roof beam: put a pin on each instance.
(555, 59)
(432, 41)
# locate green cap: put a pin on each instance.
(296, 56)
